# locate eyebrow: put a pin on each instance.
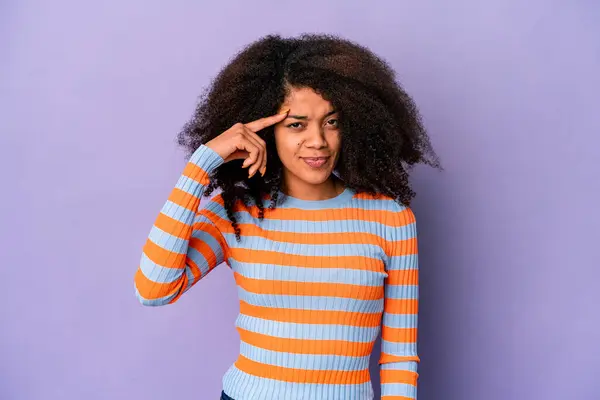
(306, 117)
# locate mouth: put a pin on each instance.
(315, 162)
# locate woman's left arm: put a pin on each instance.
(399, 358)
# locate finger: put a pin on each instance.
(262, 123)
(237, 155)
(260, 164)
(254, 158)
(255, 154)
(263, 145)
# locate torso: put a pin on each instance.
(310, 279)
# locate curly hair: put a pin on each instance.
(382, 132)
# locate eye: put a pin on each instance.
(333, 122)
(295, 125)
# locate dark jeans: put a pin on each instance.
(225, 397)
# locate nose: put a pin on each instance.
(315, 138)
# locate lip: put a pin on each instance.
(315, 162)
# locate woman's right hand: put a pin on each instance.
(241, 142)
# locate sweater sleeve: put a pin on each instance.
(399, 359)
(183, 245)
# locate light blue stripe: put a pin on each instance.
(401, 320)
(199, 260)
(167, 241)
(242, 386)
(158, 273)
(407, 262)
(377, 205)
(335, 226)
(317, 264)
(188, 185)
(206, 158)
(202, 218)
(214, 246)
(163, 301)
(304, 361)
(207, 238)
(399, 389)
(289, 330)
(311, 302)
(403, 232)
(362, 204)
(302, 274)
(191, 279)
(402, 292)
(399, 349)
(331, 250)
(177, 212)
(411, 366)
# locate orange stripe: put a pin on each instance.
(184, 283)
(404, 247)
(163, 257)
(153, 290)
(222, 224)
(306, 346)
(203, 248)
(398, 376)
(301, 375)
(196, 173)
(398, 248)
(219, 199)
(272, 257)
(403, 277)
(385, 358)
(396, 398)
(401, 306)
(371, 196)
(311, 316)
(403, 217)
(342, 214)
(399, 335)
(294, 288)
(184, 199)
(212, 230)
(292, 237)
(172, 226)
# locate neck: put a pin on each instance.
(306, 191)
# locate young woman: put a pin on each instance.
(310, 140)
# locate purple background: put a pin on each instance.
(92, 95)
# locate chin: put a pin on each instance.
(313, 177)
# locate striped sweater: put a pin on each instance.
(317, 282)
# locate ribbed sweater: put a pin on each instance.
(317, 282)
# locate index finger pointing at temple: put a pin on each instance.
(262, 123)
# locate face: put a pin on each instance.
(308, 140)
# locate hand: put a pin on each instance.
(241, 142)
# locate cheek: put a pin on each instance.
(334, 141)
(286, 146)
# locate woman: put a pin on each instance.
(310, 140)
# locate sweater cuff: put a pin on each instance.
(206, 158)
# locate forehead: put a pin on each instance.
(306, 100)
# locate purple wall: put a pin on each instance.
(91, 97)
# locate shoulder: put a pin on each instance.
(384, 208)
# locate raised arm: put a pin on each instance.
(399, 359)
(183, 245)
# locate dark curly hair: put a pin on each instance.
(382, 133)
